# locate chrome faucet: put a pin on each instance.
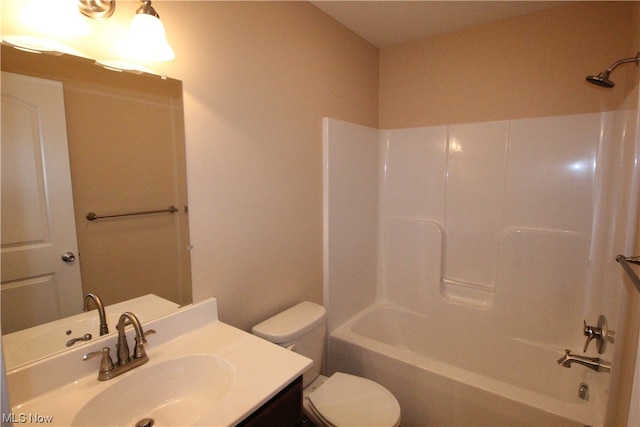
(104, 329)
(125, 361)
(594, 363)
(600, 333)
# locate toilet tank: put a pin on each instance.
(301, 328)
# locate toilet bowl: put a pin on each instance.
(341, 399)
(349, 400)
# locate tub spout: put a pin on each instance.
(594, 363)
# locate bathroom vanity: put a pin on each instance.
(201, 371)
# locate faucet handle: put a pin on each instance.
(601, 334)
(106, 364)
(139, 350)
(590, 332)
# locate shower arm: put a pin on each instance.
(624, 262)
(635, 59)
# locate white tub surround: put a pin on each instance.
(480, 248)
(61, 386)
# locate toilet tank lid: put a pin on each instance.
(291, 323)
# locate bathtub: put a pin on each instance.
(464, 376)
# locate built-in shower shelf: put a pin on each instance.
(478, 296)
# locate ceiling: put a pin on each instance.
(392, 22)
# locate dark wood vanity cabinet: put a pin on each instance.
(283, 410)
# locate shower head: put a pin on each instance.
(602, 79)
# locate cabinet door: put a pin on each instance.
(283, 410)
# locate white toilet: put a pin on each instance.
(342, 399)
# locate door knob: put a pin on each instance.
(69, 257)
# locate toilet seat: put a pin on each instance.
(348, 400)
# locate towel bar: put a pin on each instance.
(91, 216)
(624, 262)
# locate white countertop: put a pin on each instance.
(61, 385)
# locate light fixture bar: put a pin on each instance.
(97, 9)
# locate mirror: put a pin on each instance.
(126, 147)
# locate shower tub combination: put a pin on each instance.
(461, 261)
(472, 379)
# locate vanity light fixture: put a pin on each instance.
(59, 18)
(147, 39)
(46, 19)
(145, 42)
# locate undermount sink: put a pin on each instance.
(175, 392)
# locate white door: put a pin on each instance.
(37, 218)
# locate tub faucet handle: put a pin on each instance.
(600, 333)
(589, 332)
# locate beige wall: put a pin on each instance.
(529, 66)
(258, 78)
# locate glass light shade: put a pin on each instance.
(122, 66)
(58, 18)
(147, 40)
(39, 45)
